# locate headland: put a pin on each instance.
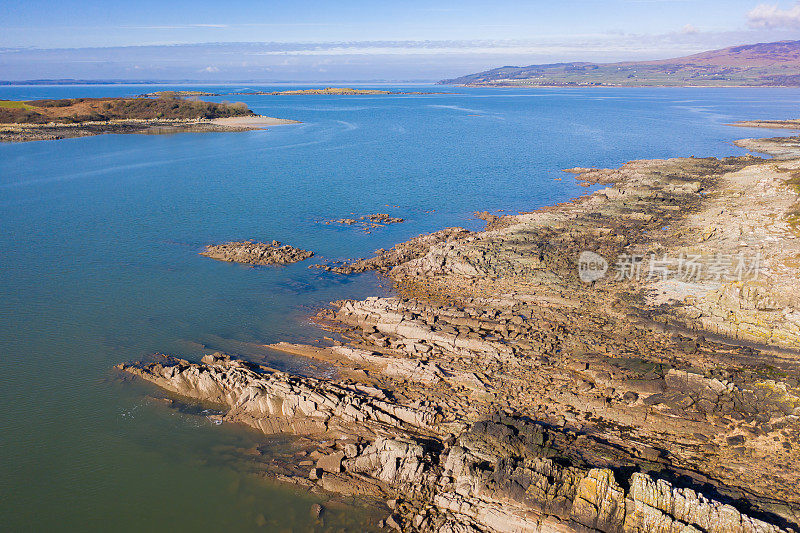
(53, 119)
(627, 361)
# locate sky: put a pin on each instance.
(362, 40)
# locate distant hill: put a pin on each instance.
(754, 65)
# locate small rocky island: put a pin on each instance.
(257, 253)
(52, 119)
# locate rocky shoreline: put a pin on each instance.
(626, 361)
(55, 130)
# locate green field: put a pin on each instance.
(12, 104)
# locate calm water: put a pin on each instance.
(98, 265)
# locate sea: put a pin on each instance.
(99, 264)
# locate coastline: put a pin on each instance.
(769, 124)
(254, 122)
(335, 91)
(599, 86)
(500, 391)
(55, 130)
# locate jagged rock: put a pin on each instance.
(256, 253)
(497, 479)
(397, 367)
(401, 253)
(350, 450)
(599, 502)
(275, 402)
(331, 463)
(384, 315)
(383, 218)
(393, 521)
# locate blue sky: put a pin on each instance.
(409, 38)
(73, 23)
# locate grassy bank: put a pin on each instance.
(77, 110)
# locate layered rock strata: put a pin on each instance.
(502, 390)
(256, 253)
(504, 474)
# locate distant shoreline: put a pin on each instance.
(595, 86)
(207, 83)
(774, 64)
(52, 119)
(334, 91)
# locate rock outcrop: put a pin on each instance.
(504, 474)
(256, 253)
(385, 260)
(368, 222)
(502, 390)
(276, 402)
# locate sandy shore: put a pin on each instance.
(770, 124)
(252, 122)
(627, 361)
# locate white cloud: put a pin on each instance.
(573, 46)
(362, 60)
(177, 27)
(772, 16)
(689, 29)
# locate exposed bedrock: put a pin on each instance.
(499, 392)
(504, 474)
(665, 398)
(385, 260)
(275, 402)
(256, 253)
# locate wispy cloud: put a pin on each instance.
(389, 59)
(772, 16)
(176, 27)
(689, 29)
(214, 26)
(684, 39)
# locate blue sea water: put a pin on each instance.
(99, 265)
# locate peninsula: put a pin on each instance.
(754, 65)
(37, 120)
(627, 361)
